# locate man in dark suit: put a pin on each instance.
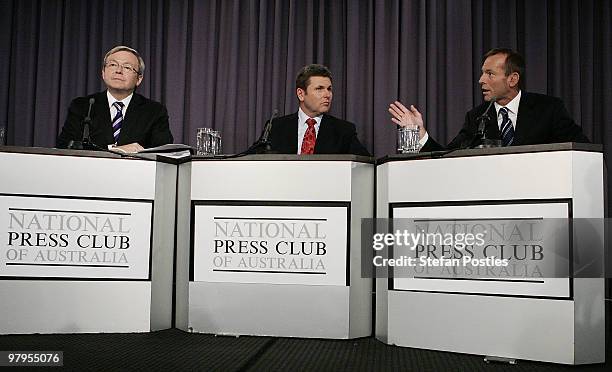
(516, 118)
(311, 130)
(120, 118)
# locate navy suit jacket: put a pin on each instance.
(335, 136)
(541, 119)
(146, 122)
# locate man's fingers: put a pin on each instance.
(401, 124)
(395, 108)
(395, 112)
(400, 106)
(131, 148)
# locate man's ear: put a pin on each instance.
(513, 79)
(299, 92)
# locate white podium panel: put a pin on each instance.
(487, 211)
(271, 246)
(541, 320)
(86, 242)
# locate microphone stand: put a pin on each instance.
(263, 145)
(85, 143)
(481, 140)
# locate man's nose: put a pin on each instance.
(480, 81)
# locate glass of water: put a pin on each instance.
(208, 142)
(215, 144)
(408, 140)
(203, 141)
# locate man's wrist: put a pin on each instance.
(423, 140)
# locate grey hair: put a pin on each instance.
(119, 48)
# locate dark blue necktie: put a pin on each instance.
(117, 120)
(507, 130)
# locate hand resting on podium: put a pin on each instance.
(130, 148)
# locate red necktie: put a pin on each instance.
(310, 137)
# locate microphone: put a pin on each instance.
(85, 143)
(268, 128)
(262, 145)
(483, 119)
(87, 122)
(481, 135)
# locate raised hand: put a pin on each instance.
(403, 116)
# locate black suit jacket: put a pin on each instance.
(335, 136)
(541, 119)
(146, 122)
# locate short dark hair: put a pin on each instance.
(303, 78)
(514, 62)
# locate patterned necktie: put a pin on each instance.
(117, 120)
(310, 137)
(507, 130)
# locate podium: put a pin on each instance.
(557, 320)
(87, 241)
(270, 245)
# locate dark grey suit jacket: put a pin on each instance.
(541, 119)
(335, 136)
(146, 122)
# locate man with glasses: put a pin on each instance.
(120, 118)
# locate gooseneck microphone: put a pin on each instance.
(268, 129)
(85, 142)
(481, 135)
(87, 122)
(263, 145)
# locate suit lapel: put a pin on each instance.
(101, 118)
(287, 134)
(130, 120)
(492, 127)
(525, 115)
(325, 137)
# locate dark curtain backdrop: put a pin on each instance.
(227, 64)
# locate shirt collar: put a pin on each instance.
(302, 117)
(125, 101)
(512, 106)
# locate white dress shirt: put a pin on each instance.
(302, 126)
(512, 107)
(113, 110)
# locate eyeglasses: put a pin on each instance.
(124, 68)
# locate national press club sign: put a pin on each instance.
(45, 237)
(270, 244)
